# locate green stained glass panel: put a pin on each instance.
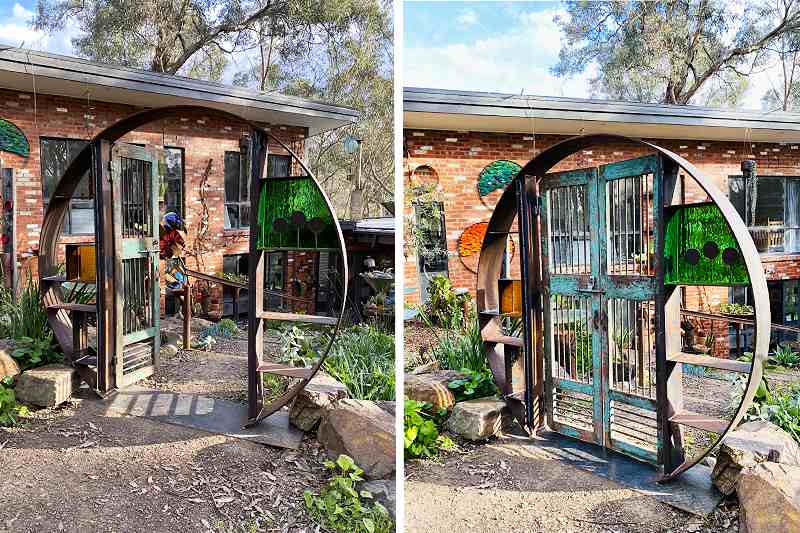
(496, 175)
(292, 214)
(700, 249)
(12, 139)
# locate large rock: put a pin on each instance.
(47, 386)
(390, 406)
(8, 365)
(479, 419)
(769, 498)
(383, 491)
(748, 445)
(321, 392)
(362, 430)
(432, 388)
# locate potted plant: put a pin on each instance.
(623, 370)
(737, 310)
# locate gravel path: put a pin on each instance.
(505, 487)
(81, 468)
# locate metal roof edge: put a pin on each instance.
(515, 106)
(56, 66)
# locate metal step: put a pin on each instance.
(293, 317)
(284, 370)
(710, 362)
(81, 308)
(504, 339)
(701, 422)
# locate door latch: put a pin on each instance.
(591, 288)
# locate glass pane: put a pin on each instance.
(173, 197)
(81, 220)
(769, 206)
(737, 195)
(791, 239)
(278, 166)
(232, 176)
(230, 264)
(791, 302)
(231, 216)
(244, 215)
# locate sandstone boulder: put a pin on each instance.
(390, 406)
(769, 498)
(321, 392)
(432, 388)
(8, 365)
(47, 385)
(479, 419)
(748, 445)
(362, 430)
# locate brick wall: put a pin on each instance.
(458, 158)
(204, 138)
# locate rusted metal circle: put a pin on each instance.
(505, 212)
(53, 222)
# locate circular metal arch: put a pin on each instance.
(505, 211)
(53, 222)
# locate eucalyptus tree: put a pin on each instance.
(673, 52)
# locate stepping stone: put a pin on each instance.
(479, 419)
(47, 385)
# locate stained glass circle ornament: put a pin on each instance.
(470, 243)
(496, 175)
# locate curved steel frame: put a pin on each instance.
(490, 262)
(53, 222)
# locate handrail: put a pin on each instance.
(238, 285)
(737, 320)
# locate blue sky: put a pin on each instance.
(504, 47)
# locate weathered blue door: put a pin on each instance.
(598, 230)
(136, 175)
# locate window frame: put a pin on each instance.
(74, 202)
(783, 228)
(182, 178)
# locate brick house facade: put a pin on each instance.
(198, 141)
(450, 160)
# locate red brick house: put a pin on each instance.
(58, 103)
(451, 136)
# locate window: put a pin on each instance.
(237, 189)
(237, 193)
(776, 208)
(55, 156)
(173, 182)
(784, 305)
(274, 278)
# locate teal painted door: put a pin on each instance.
(599, 228)
(136, 173)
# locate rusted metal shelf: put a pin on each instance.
(284, 370)
(504, 339)
(293, 317)
(698, 421)
(82, 308)
(708, 361)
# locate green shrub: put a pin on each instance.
(10, 411)
(445, 308)
(457, 350)
(362, 358)
(340, 507)
(298, 346)
(781, 407)
(26, 317)
(225, 328)
(421, 435)
(33, 352)
(477, 384)
(785, 356)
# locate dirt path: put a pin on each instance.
(503, 487)
(82, 469)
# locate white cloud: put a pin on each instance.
(515, 61)
(467, 18)
(19, 12)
